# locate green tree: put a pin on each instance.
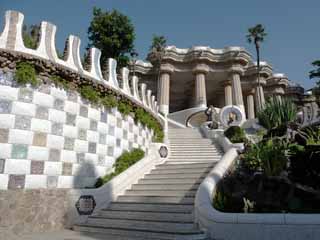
(30, 35)
(113, 33)
(315, 74)
(256, 36)
(157, 51)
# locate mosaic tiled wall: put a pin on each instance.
(51, 138)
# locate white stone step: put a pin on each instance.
(195, 154)
(165, 193)
(156, 199)
(170, 180)
(183, 170)
(149, 207)
(187, 186)
(183, 166)
(174, 176)
(143, 225)
(143, 235)
(152, 216)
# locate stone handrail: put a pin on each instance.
(11, 41)
(243, 226)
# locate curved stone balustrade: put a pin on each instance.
(243, 226)
(11, 41)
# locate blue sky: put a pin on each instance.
(292, 25)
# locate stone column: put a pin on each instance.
(250, 106)
(164, 88)
(200, 72)
(237, 90)
(227, 93)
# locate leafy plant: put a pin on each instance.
(235, 134)
(30, 35)
(269, 156)
(276, 115)
(26, 73)
(122, 163)
(89, 93)
(61, 82)
(312, 135)
(124, 108)
(109, 101)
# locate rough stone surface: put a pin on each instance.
(28, 211)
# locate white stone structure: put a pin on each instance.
(202, 76)
(51, 138)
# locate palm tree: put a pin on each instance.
(256, 35)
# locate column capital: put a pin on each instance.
(255, 82)
(167, 68)
(200, 68)
(226, 83)
(236, 70)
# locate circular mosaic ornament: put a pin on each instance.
(231, 116)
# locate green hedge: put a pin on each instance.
(26, 73)
(122, 163)
(235, 134)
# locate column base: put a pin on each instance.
(164, 109)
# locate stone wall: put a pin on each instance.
(52, 138)
(26, 211)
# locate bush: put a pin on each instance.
(124, 108)
(25, 74)
(122, 163)
(269, 156)
(61, 82)
(276, 115)
(235, 134)
(89, 93)
(109, 101)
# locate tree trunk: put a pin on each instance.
(258, 73)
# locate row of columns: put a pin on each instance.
(232, 91)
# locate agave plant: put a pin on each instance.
(277, 114)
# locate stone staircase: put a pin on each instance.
(160, 205)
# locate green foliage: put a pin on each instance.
(316, 73)
(124, 108)
(235, 134)
(109, 101)
(147, 120)
(30, 35)
(89, 93)
(26, 73)
(113, 33)
(276, 115)
(256, 34)
(269, 156)
(61, 82)
(122, 163)
(312, 135)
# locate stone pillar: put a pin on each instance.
(164, 88)
(250, 106)
(237, 90)
(200, 72)
(227, 93)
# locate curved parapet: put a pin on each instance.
(125, 80)
(13, 48)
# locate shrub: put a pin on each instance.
(276, 115)
(89, 93)
(269, 156)
(235, 134)
(61, 82)
(122, 163)
(26, 73)
(124, 108)
(109, 101)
